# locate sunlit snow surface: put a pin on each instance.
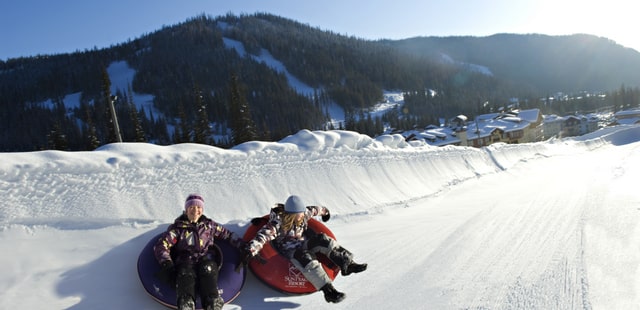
(548, 225)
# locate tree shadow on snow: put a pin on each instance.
(111, 281)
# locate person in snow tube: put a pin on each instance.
(190, 237)
(287, 228)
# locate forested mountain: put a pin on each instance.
(204, 89)
(544, 63)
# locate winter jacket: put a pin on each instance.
(190, 241)
(285, 241)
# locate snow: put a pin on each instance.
(471, 67)
(121, 76)
(335, 111)
(70, 101)
(390, 98)
(547, 225)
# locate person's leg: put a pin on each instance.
(208, 285)
(315, 274)
(321, 243)
(185, 287)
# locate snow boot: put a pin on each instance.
(216, 304)
(353, 268)
(331, 294)
(186, 303)
(344, 259)
(185, 287)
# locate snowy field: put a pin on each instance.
(549, 225)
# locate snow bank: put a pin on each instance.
(538, 225)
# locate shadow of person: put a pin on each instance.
(111, 281)
(257, 295)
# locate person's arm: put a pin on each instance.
(222, 233)
(162, 248)
(267, 233)
(319, 211)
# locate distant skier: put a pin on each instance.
(190, 237)
(287, 226)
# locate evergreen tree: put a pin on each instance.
(202, 129)
(161, 132)
(56, 138)
(242, 126)
(91, 135)
(182, 133)
(266, 132)
(106, 97)
(350, 120)
(135, 118)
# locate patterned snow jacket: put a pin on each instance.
(284, 241)
(190, 241)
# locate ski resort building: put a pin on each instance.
(628, 117)
(509, 127)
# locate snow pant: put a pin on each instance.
(203, 276)
(305, 260)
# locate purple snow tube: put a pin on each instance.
(230, 282)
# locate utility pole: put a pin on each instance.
(114, 118)
(478, 132)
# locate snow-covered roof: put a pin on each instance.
(438, 136)
(514, 119)
(530, 115)
(484, 128)
(628, 113)
(628, 121)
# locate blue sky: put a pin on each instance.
(31, 27)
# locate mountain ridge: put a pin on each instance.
(188, 66)
(600, 63)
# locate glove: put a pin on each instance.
(326, 216)
(245, 257)
(167, 272)
(258, 221)
(240, 244)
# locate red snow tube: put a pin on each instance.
(277, 271)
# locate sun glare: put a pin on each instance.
(612, 19)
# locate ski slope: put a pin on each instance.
(549, 225)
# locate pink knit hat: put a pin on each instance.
(194, 200)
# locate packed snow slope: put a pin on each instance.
(549, 225)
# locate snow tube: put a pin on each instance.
(230, 282)
(277, 271)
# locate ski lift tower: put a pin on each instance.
(114, 118)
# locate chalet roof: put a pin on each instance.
(572, 117)
(552, 118)
(627, 121)
(627, 114)
(483, 127)
(530, 115)
(438, 136)
(514, 119)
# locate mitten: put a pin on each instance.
(244, 258)
(326, 216)
(258, 221)
(167, 272)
